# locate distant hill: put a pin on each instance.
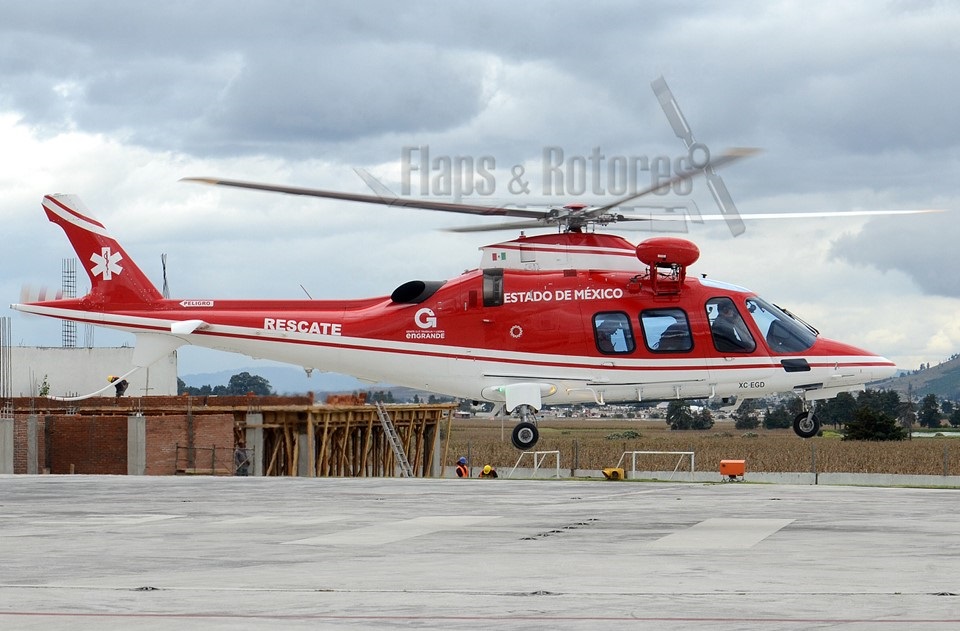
(942, 380)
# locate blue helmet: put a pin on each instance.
(462, 460)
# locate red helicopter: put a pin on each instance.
(570, 317)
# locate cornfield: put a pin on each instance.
(596, 444)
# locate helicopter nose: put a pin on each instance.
(851, 361)
(886, 371)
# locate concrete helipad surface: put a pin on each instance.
(94, 552)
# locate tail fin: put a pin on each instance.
(114, 277)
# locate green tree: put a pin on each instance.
(747, 415)
(679, 415)
(837, 411)
(883, 401)
(778, 418)
(955, 417)
(239, 384)
(702, 419)
(868, 424)
(946, 406)
(929, 411)
(244, 383)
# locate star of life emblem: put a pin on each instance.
(106, 263)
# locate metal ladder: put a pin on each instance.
(406, 470)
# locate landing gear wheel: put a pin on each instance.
(525, 436)
(806, 425)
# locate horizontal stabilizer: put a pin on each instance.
(187, 327)
(29, 293)
(153, 346)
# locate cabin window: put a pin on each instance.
(730, 332)
(613, 333)
(492, 287)
(666, 330)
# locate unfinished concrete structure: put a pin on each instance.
(275, 436)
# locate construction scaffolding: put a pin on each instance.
(69, 290)
(348, 441)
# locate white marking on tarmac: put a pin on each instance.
(285, 519)
(391, 532)
(721, 533)
(108, 520)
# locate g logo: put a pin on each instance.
(425, 318)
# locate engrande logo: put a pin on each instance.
(425, 319)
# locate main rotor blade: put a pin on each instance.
(469, 209)
(677, 221)
(827, 213)
(670, 107)
(668, 103)
(728, 157)
(453, 207)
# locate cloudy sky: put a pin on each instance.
(854, 105)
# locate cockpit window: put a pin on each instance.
(784, 333)
(613, 333)
(730, 332)
(666, 330)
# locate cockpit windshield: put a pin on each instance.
(783, 332)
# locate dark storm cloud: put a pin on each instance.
(839, 97)
(206, 81)
(335, 93)
(921, 247)
(294, 78)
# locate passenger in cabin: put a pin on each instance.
(730, 332)
(675, 337)
(605, 334)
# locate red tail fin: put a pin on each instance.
(114, 277)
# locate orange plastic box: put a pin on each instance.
(733, 468)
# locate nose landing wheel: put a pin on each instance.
(525, 435)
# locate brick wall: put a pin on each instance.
(98, 444)
(90, 444)
(20, 443)
(209, 435)
(91, 434)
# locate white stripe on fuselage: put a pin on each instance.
(445, 371)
